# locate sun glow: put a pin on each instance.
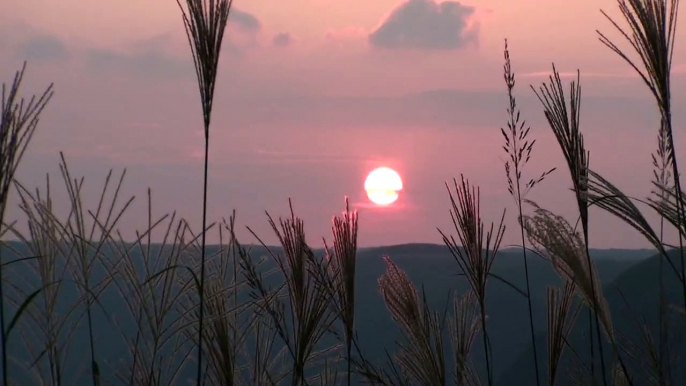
(382, 186)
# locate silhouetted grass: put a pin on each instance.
(477, 249)
(518, 148)
(19, 119)
(205, 22)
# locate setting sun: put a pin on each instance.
(382, 186)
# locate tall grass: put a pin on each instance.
(342, 261)
(518, 148)
(43, 318)
(560, 322)
(662, 176)
(152, 304)
(564, 123)
(302, 322)
(652, 34)
(205, 22)
(476, 250)
(422, 357)
(18, 122)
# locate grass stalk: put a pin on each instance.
(662, 176)
(652, 25)
(476, 250)
(342, 262)
(201, 317)
(518, 149)
(465, 325)
(43, 241)
(422, 356)
(560, 323)
(18, 121)
(309, 315)
(205, 22)
(86, 247)
(565, 125)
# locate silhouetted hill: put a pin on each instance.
(434, 267)
(633, 298)
(429, 266)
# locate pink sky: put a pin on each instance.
(312, 94)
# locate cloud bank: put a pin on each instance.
(425, 24)
(244, 20)
(44, 48)
(282, 39)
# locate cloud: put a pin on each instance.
(425, 24)
(44, 48)
(347, 33)
(282, 39)
(573, 74)
(146, 63)
(158, 56)
(245, 21)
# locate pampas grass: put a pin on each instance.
(18, 122)
(302, 322)
(464, 328)
(651, 35)
(477, 249)
(342, 261)
(565, 125)
(205, 22)
(422, 356)
(153, 302)
(518, 148)
(44, 325)
(560, 322)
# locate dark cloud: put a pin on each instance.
(448, 109)
(425, 24)
(147, 64)
(245, 21)
(282, 39)
(44, 48)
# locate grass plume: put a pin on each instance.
(651, 35)
(19, 119)
(422, 357)
(342, 262)
(308, 314)
(205, 22)
(565, 125)
(518, 149)
(560, 322)
(464, 327)
(476, 250)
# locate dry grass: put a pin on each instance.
(518, 148)
(205, 22)
(151, 298)
(19, 119)
(565, 125)
(476, 250)
(464, 328)
(43, 324)
(560, 322)
(341, 262)
(307, 316)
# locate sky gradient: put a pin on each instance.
(313, 94)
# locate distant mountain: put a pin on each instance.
(434, 267)
(633, 298)
(429, 266)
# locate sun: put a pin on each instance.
(382, 186)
